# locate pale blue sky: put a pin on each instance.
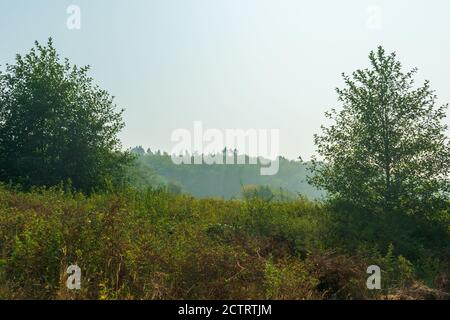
(230, 63)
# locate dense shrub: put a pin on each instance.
(154, 244)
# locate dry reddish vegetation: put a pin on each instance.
(155, 245)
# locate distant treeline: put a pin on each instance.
(219, 180)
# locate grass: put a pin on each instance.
(155, 245)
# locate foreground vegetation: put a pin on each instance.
(156, 245)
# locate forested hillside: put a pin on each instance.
(227, 181)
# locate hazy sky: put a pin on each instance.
(231, 63)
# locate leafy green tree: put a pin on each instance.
(138, 150)
(256, 191)
(387, 148)
(56, 125)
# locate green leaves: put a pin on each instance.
(56, 125)
(387, 149)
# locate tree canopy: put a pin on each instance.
(387, 148)
(56, 125)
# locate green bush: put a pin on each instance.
(154, 244)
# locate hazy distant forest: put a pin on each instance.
(141, 227)
(227, 181)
